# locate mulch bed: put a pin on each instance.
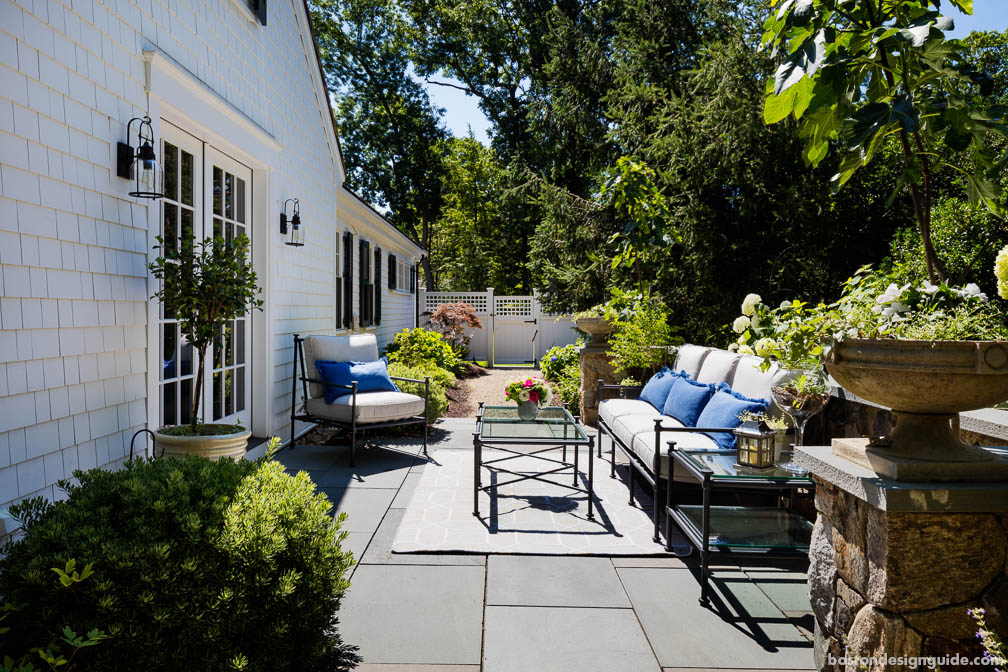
(459, 404)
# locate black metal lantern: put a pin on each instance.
(140, 164)
(296, 233)
(755, 445)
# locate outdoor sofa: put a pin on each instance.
(353, 411)
(640, 431)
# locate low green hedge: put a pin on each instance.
(198, 565)
(441, 380)
(422, 347)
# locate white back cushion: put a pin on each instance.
(718, 367)
(750, 382)
(690, 358)
(353, 348)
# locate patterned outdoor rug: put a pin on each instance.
(529, 517)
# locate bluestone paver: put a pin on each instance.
(749, 632)
(565, 639)
(552, 581)
(380, 550)
(365, 507)
(415, 614)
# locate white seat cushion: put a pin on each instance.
(644, 446)
(718, 367)
(690, 358)
(626, 427)
(371, 407)
(353, 348)
(613, 408)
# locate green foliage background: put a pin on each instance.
(571, 88)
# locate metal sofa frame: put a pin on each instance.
(648, 472)
(352, 427)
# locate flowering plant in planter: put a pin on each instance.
(529, 389)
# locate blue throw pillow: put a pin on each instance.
(370, 377)
(687, 399)
(723, 410)
(656, 390)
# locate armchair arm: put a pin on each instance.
(410, 380)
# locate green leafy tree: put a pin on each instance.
(204, 285)
(856, 72)
(389, 129)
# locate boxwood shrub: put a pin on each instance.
(198, 565)
(441, 380)
(422, 347)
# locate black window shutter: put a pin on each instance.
(392, 268)
(412, 280)
(377, 285)
(338, 294)
(347, 280)
(364, 293)
(258, 7)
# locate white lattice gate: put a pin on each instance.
(515, 330)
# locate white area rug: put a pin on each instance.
(529, 517)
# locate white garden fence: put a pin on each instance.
(515, 329)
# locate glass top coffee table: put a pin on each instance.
(500, 428)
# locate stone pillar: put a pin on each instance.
(594, 366)
(895, 566)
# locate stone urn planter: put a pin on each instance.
(596, 327)
(926, 384)
(215, 446)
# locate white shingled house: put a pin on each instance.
(241, 123)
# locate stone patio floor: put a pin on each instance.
(499, 613)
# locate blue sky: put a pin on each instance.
(462, 111)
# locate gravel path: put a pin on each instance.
(489, 388)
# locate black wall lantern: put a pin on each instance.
(140, 164)
(296, 235)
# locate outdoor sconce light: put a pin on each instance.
(140, 164)
(296, 235)
(755, 445)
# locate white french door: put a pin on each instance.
(207, 194)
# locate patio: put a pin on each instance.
(467, 612)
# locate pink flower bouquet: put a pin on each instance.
(529, 389)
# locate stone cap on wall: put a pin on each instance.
(902, 496)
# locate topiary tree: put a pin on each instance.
(205, 284)
(857, 72)
(198, 566)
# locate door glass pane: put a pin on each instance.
(187, 178)
(240, 389)
(218, 228)
(240, 342)
(229, 344)
(229, 195)
(170, 234)
(228, 392)
(217, 396)
(218, 187)
(218, 360)
(185, 405)
(185, 358)
(168, 368)
(168, 404)
(240, 200)
(187, 224)
(171, 171)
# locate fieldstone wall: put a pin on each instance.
(594, 366)
(900, 584)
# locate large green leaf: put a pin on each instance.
(778, 107)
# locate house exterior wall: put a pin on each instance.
(78, 343)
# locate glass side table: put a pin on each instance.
(500, 428)
(766, 531)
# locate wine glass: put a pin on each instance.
(800, 394)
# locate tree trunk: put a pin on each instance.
(428, 274)
(197, 388)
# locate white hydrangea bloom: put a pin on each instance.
(1001, 272)
(745, 350)
(764, 346)
(972, 291)
(784, 305)
(749, 304)
(741, 324)
(733, 347)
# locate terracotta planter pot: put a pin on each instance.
(213, 447)
(926, 384)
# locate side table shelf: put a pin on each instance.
(764, 531)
